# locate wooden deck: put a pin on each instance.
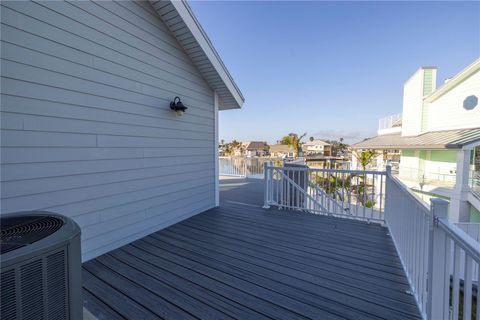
(242, 262)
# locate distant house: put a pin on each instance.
(317, 147)
(87, 128)
(255, 149)
(282, 151)
(436, 141)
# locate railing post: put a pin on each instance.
(438, 288)
(245, 166)
(265, 186)
(386, 205)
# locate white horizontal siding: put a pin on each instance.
(86, 125)
(447, 112)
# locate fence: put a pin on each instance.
(440, 260)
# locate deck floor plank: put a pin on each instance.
(239, 261)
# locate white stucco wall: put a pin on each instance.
(412, 104)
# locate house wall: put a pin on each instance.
(86, 126)
(420, 84)
(441, 165)
(447, 112)
(436, 165)
(409, 164)
(429, 83)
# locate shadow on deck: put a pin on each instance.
(239, 261)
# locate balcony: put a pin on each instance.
(422, 177)
(327, 244)
(390, 124)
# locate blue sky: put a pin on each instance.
(331, 69)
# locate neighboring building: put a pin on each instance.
(436, 137)
(282, 151)
(317, 147)
(87, 129)
(255, 148)
(238, 151)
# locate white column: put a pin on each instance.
(459, 207)
(217, 177)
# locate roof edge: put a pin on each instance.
(456, 80)
(199, 34)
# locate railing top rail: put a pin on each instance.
(460, 237)
(328, 170)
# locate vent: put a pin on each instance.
(18, 232)
(31, 275)
(8, 301)
(56, 286)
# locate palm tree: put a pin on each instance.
(293, 140)
(365, 157)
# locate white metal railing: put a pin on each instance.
(244, 167)
(473, 230)
(232, 166)
(389, 122)
(408, 220)
(475, 183)
(343, 193)
(445, 280)
(427, 177)
(440, 260)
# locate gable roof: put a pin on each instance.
(256, 145)
(180, 20)
(455, 81)
(281, 148)
(316, 142)
(447, 139)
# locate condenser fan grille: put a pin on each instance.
(17, 232)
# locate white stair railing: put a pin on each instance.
(352, 194)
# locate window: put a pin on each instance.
(470, 102)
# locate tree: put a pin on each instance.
(311, 139)
(365, 157)
(235, 143)
(293, 140)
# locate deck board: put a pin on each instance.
(239, 261)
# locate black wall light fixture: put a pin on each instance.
(177, 106)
